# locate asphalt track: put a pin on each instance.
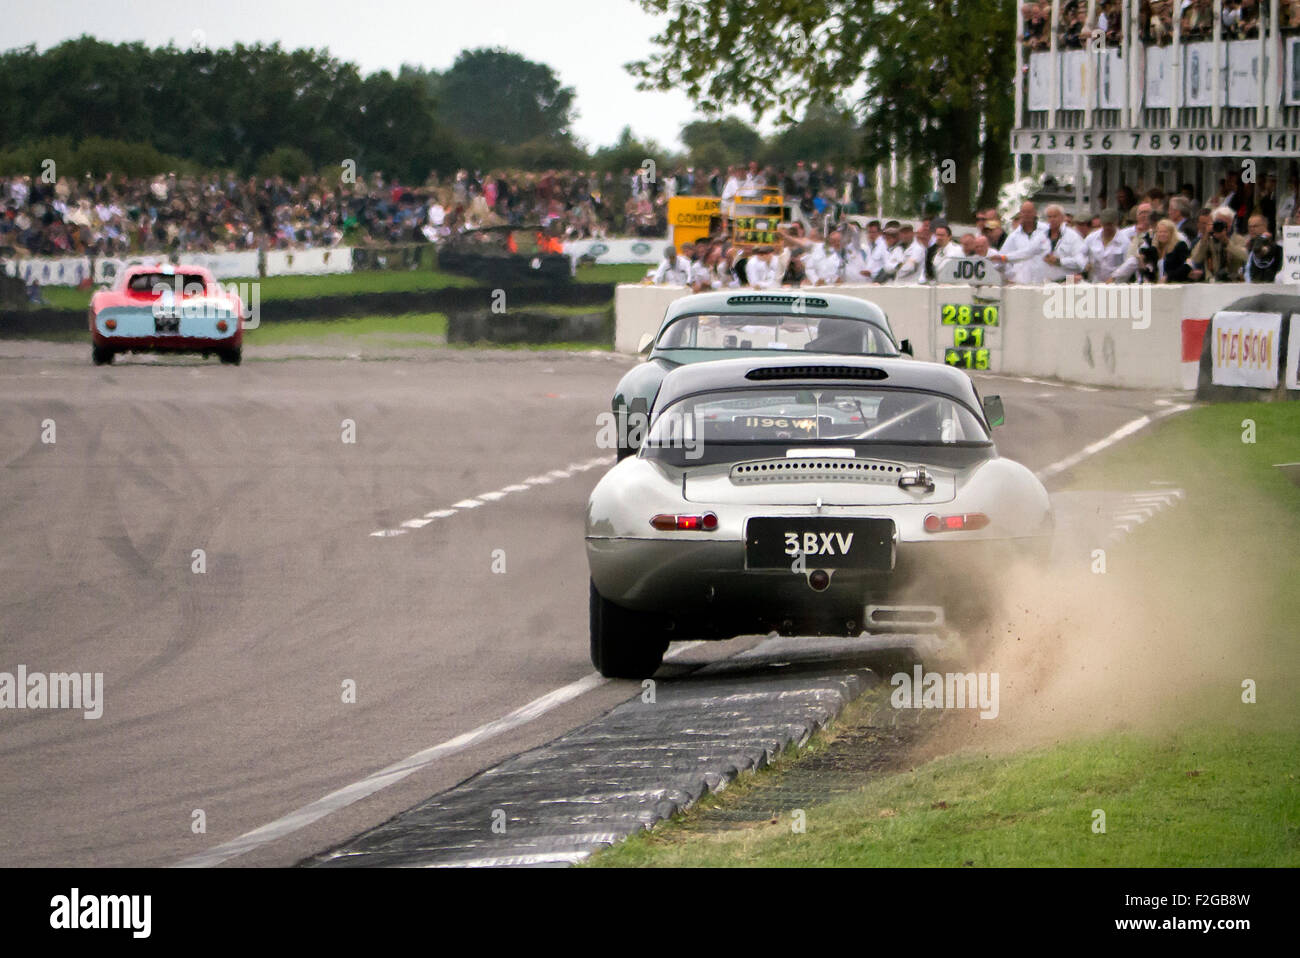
(224, 690)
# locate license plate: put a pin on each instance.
(773, 542)
(166, 324)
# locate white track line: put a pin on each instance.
(1123, 432)
(483, 498)
(343, 797)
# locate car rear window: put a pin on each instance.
(817, 414)
(191, 284)
(822, 334)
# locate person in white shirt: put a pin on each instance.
(895, 252)
(761, 270)
(729, 191)
(1132, 236)
(827, 265)
(912, 268)
(673, 270)
(754, 178)
(944, 248)
(875, 250)
(1065, 256)
(1022, 253)
(702, 276)
(1105, 250)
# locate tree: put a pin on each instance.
(729, 137)
(826, 133)
(934, 91)
(499, 96)
(629, 153)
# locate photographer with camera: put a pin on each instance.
(1219, 257)
(1162, 255)
(1263, 253)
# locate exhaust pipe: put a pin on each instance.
(903, 618)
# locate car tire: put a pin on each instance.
(101, 355)
(624, 644)
(232, 357)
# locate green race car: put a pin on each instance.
(740, 324)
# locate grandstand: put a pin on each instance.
(1139, 92)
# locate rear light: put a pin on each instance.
(110, 324)
(222, 325)
(957, 523)
(705, 523)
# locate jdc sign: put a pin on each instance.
(968, 271)
(1291, 251)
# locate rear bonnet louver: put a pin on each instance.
(814, 470)
(816, 371)
(769, 299)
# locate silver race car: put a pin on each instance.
(819, 495)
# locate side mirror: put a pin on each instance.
(993, 410)
(905, 347)
(645, 342)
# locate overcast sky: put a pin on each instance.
(586, 42)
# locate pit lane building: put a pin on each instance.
(1159, 94)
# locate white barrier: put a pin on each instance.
(308, 262)
(50, 270)
(1125, 349)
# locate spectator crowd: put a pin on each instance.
(1154, 238)
(1239, 19)
(116, 216)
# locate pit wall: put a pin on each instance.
(1033, 340)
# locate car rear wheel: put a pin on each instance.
(231, 357)
(624, 644)
(101, 355)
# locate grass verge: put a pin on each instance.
(1216, 782)
(432, 327)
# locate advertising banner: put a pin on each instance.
(1244, 349)
(50, 270)
(308, 262)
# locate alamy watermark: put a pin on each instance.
(53, 690)
(210, 301)
(1128, 301)
(946, 690)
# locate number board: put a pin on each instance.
(1167, 142)
(756, 230)
(970, 335)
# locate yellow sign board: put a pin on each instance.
(689, 217)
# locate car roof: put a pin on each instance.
(811, 302)
(902, 373)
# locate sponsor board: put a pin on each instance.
(1293, 354)
(648, 251)
(1290, 272)
(1244, 349)
(308, 262)
(50, 270)
(969, 271)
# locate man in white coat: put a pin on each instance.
(827, 265)
(1065, 256)
(673, 270)
(1105, 249)
(1022, 253)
